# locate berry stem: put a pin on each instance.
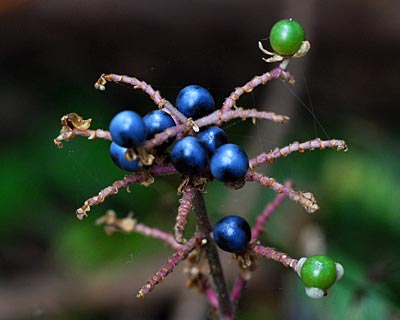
(91, 134)
(143, 177)
(271, 253)
(216, 272)
(237, 289)
(230, 102)
(211, 297)
(271, 156)
(269, 209)
(225, 116)
(145, 87)
(306, 199)
(67, 133)
(169, 266)
(217, 117)
(130, 225)
(183, 212)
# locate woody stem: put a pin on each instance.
(216, 272)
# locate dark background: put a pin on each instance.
(54, 267)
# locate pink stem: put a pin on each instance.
(136, 177)
(237, 289)
(298, 147)
(91, 134)
(168, 267)
(214, 118)
(230, 101)
(271, 253)
(211, 296)
(306, 199)
(269, 209)
(157, 234)
(145, 87)
(183, 212)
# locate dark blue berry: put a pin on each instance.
(157, 121)
(117, 154)
(229, 163)
(127, 129)
(195, 102)
(189, 157)
(232, 234)
(212, 138)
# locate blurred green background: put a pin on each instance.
(53, 266)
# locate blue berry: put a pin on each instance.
(157, 121)
(232, 234)
(117, 154)
(127, 129)
(189, 157)
(229, 163)
(195, 102)
(212, 138)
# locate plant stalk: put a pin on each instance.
(216, 272)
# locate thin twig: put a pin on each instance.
(216, 117)
(306, 199)
(183, 212)
(271, 253)
(143, 177)
(238, 289)
(169, 266)
(269, 209)
(230, 101)
(130, 225)
(216, 272)
(145, 87)
(271, 156)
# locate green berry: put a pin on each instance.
(286, 37)
(318, 272)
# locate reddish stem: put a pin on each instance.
(269, 209)
(306, 199)
(237, 289)
(271, 253)
(230, 101)
(183, 212)
(145, 87)
(168, 267)
(216, 272)
(297, 147)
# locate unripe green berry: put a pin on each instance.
(286, 37)
(318, 272)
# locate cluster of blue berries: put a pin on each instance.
(191, 156)
(129, 131)
(200, 157)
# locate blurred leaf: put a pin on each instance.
(82, 245)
